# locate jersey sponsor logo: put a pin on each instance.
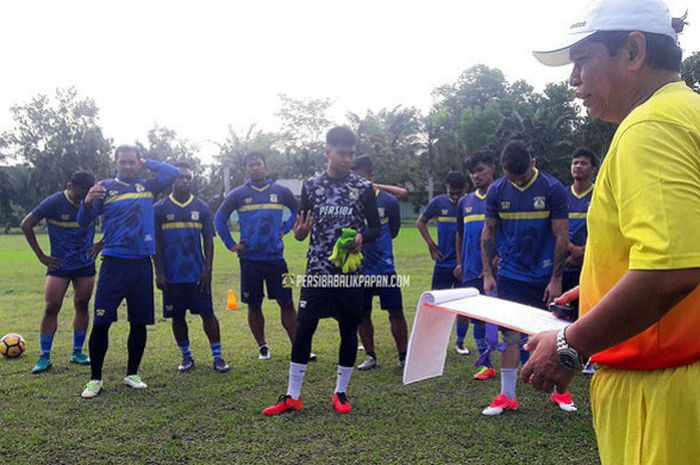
(148, 237)
(539, 203)
(505, 205)
(194, 216)
(170, 217)
(248, 200)
(273, 198)
(140, 187)
(468, 209)
(335, 210)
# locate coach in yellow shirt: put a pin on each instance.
(639, 295)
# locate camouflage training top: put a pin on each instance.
(347, 202)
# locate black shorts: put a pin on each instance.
(125, 278)
(84, 272)
(256, 272)
(522, 293)
(342, 304)
(444, 278)
(389, 298)
(180, 297)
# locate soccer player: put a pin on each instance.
(260, 203)
(444, 209)
(183, 222)
(126, 205)
(379, 261)
(470, 223)
(526, 215)
(72, 260)
(639, 294)
(331, 201)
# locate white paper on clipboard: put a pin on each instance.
(435, 316)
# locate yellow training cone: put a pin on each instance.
(231, 303)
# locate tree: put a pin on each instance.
(58, 136)
(690, 71)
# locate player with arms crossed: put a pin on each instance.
(72, 260)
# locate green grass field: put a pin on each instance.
(204, 417)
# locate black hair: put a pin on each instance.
(340, 136)
(82, 180)
(363, 163)
(456, 180)
(126, 149)
(254, 155)
(515, 158)
(663, 53)
(478, 157)
(586, 153)
(183, 164)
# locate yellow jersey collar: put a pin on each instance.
(181, 205)
(530, 182)
(588, 191)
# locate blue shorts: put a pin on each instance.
(389, 298)
(125, 278)
(180, 297)
(478, 284)
(444, 278)
(255, 272)
(84, 272)
(521, 292)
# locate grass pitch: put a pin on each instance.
(204, 417)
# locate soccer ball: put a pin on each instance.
(12, 345)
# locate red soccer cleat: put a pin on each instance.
(564, 401)
(285, 404)
(500, 404)
(341, 403)
(484, 374)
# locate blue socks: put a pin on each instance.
(524, 354)
(78, 340)
(462, 329)
(215, 350)
(45, 343)
(184, 347)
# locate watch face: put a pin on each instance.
(568, 360)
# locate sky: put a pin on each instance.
(198, 67)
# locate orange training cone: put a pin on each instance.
(231, 303)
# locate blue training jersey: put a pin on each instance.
(70, 242)
(445, 213)
(578, 210)
(180, 228)
(127, 212)
(524, 233)
(260, 208)
(379, 254)
(470, 220)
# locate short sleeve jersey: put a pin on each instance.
(445, 212)
(645, 215)
(470, 215)
(181, 227)
(335, 204)
(379, 254)
(524, 233)
(578, 210)
(69, 241)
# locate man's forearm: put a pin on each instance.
(423, 228)
(488, 250)
(637, 301)
(561, 245)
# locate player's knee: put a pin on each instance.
(52, 308)
(81, 303)
(396, 315)
(511, 338)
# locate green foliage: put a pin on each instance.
(690, 71)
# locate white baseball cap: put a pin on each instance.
(650, 16)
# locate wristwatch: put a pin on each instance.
(569, 357)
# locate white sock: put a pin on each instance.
(509, 376)
(344, 375)
(296, 379)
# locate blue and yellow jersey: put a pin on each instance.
(445, 212)
(578, 210)
(379, 254)
(180, 228)
(70, 242)
(127, 212)
(470, 220)
(524, 233)
(260, 208)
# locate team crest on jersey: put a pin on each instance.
(539, 203)
(273, 198)
(353, 193)
(505, 205)
(468, 209)
(140, 188)
(65, 217)
(194, 216)
(382, 212)
(248, 200)
(170, 217)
